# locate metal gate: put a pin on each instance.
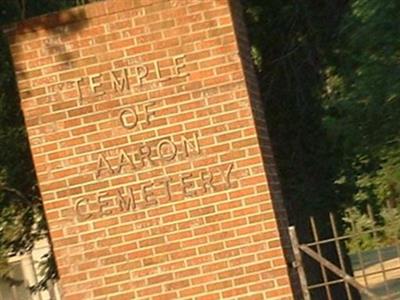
(324, 264)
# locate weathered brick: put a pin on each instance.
(146, 130)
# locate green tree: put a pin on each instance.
(329, 75)
(362, 102)
(290, 41)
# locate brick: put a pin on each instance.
(105, 290)
(169, 198)
(152, 242)
(219, 285)
(234, 292)
(167, 296)
(191, 291)
(117, 278)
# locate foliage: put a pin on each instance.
(329, 75)
(362, 102)
(18, 195)
(290, 41)
(370, 233)
(391, 220)
(359, 228)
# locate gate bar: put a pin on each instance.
(337, 271)
(299, 263)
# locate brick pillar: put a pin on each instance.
(151, 151)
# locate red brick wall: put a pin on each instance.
(145, 125)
